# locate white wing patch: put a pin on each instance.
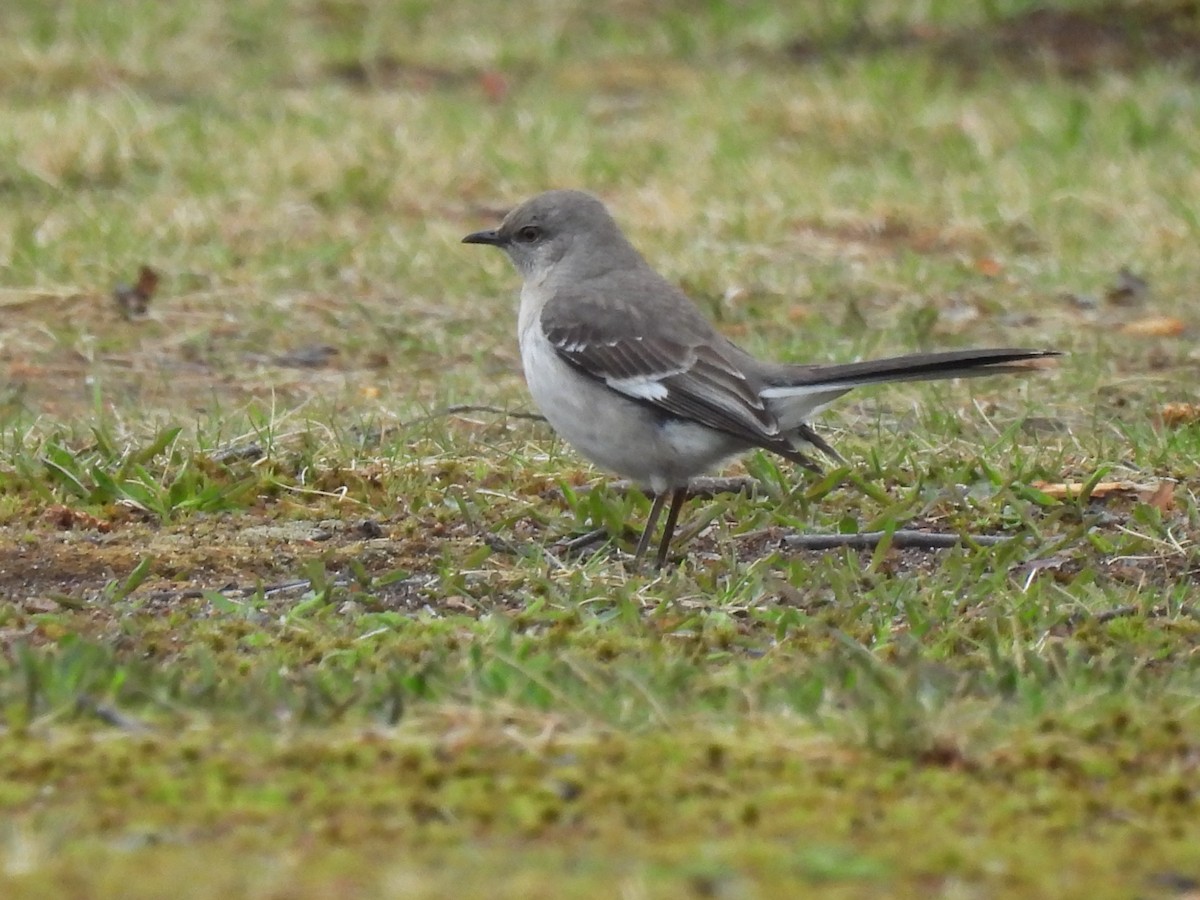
(641, 388)
(580, 346)
(775, 393)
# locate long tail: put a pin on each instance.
(920, 367)
(800, 391)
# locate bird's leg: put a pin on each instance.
(677, 498)
(655, 511)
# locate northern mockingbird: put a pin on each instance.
(629, 372)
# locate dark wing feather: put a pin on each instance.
(691, 373)
(919, 367)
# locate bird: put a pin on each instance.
(629, 372)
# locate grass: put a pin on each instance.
(276, 624)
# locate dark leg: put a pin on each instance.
(655, 512)
(677, 498)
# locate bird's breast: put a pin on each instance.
(612, 430)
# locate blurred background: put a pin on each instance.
(827, 179)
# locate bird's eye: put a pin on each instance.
(529, 234)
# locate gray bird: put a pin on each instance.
(629, 372)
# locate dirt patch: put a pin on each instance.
(1070, 43)
(889, 235)
(391, 72)
(44, 570)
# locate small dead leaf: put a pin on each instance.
(1126, 573)
(369, 528)
(1154, 326)
(1175, 415)
(66, 519)
(1158, 358)
(1161, 498)
(1053, 563)
(310, 356)
(1160, 495)
(494, 85)
(133, 302)
(1128, 290)
(989, 267)
(1070, 489)
(41, 605)
(1080, 302)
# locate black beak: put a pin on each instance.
(485, 237)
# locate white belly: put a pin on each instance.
(618, 434)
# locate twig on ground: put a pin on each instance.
(110, 715)
(501, 544)
(458, 409)
(579, 542)
(905, 538)
(1122, 612)
(247, 452)
(249, 590)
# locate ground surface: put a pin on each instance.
(288, 601)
